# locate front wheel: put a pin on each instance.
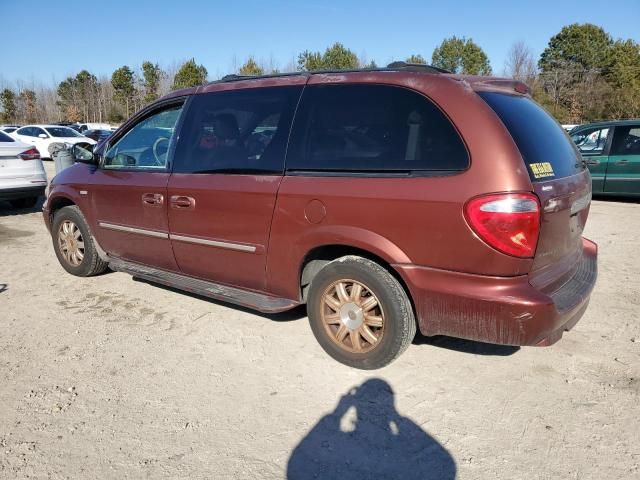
(359, 313)
(74, 245)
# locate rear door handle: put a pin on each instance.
(182, 202)
(152, 199)
(622, 162)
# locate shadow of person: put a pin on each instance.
(3, 287)
(366, 438)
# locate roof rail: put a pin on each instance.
(416, 67)
(231, 77)
(234, 77)
(394, 66)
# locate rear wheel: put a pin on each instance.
(359, 313)
(74, 245)
(28, 202)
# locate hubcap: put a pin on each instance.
(352, 316)
(71, 243)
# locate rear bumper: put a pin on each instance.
(22, 192)
(502, 310)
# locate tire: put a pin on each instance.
(71, 220)
(377, 286)
(28, 202)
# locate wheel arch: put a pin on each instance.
(58, 202)
(321, 255)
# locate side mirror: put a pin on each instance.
(43, 135)
(83, 153)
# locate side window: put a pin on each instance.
(237, 131)
(146, 145)
(5, 138)
(373, 128)
(27, 131)
(591, 140)
(39, 131)
(626, 141)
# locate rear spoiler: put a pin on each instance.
(504, 84)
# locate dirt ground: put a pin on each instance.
(109, 377)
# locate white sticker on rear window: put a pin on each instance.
(542, 170)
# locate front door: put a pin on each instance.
(623, 174)
(593, 144)
(227, 170)
(128, 194)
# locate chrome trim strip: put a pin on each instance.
(622, 178)
(214, 243)
(140, 231)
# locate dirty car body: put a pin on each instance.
(478, 224)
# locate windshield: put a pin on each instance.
(5, 138)
(545, 147)
(62, 132)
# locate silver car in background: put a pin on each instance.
(22, 176)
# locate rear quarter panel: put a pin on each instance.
(413, 220)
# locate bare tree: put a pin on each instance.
(167, 80)
(520, 63)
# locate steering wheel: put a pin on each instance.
(157, 155)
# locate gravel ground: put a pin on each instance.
(109, 377)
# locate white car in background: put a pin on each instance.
(83, 127)
(22, 176)
(9, 128)
(41, 136)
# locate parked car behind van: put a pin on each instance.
(385, 200)
(83, 127)
(42, 136)
(611, 150)
(22, 176)
(97, 135)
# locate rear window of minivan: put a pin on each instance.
(547, 150)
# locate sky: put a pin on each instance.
(45, 41)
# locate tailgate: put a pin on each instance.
(565, 206)
(560, 180)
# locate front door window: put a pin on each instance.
(145, 146)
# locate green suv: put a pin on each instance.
(612, 153)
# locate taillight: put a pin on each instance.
(509, 222)
(31, 154)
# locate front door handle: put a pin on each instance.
(182, 202)
(622, 162)
(152, 199)
(592, 162)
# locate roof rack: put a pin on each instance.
(416, 67)
(233, 77)
(394, 67)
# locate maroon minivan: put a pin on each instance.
(385, 200)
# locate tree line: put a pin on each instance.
(582, 75)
